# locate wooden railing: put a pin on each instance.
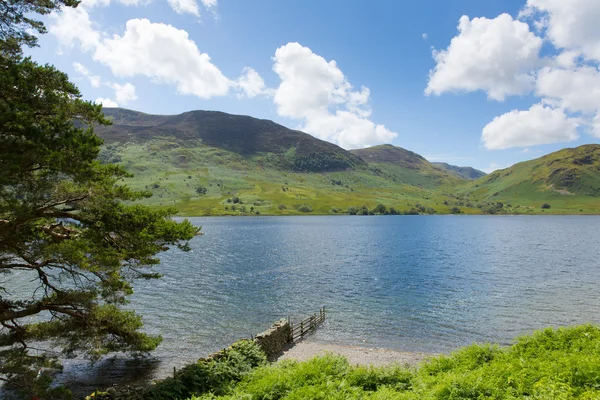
(304, 327)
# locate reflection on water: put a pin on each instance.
(407, 283)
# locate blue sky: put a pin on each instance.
(477, 83)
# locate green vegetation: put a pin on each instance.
(195, 162)
(550, 364)
(567, 181)
(216, 375)
(72, 238)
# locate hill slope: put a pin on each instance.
(568, 179)
(469, 173)
(212, 163)
(406, 166)
(242, 135)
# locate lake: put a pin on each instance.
(410, 283)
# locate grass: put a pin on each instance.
(173, 173)
(549, 364)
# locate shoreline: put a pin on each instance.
(356, 355)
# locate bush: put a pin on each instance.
(545, 206)
(352, 210)
(379, 209)
(305, 208)
(455, 210)
(215, 375)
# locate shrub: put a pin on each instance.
(305, 208)
(216, 375)
(455, 210)
(545, 206)
(379, 209)
(352, 210)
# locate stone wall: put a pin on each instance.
(275, 339)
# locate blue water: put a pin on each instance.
(428, 284)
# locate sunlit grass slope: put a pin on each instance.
(212, 163)
(567, 180)
(202, 180)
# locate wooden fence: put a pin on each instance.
(304, 327)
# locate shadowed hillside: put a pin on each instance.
(242, 135)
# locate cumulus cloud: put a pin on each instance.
(73, 25)
(493, 55)
(540, 124)
(185, 6)
(250, 84)
(124, 93)
(95, 80)
(494, 167)
(575, 89)
(106, 102)
(316, 91)
(571, 25)
(166, 55)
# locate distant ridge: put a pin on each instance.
(461, 172)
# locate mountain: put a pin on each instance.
(409, 167)
(213, 163)
(469, 173)
(242, 135)
(567, 180)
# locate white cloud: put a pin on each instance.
(494, 167)
(73, 25)
(106, 102)
(94, 79)
(185, 6)
(209, 3)
(164, 54)
(317, 92)
(574, 89)
(424, 36)
(191, 6)
(538, 125)
(493, 55)
(124, 93)
(569, 24)
(251, 84)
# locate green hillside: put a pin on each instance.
(241, 135)
(212, 163)
(566, 181)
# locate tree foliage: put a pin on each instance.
(71, 238)
(17, 24)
